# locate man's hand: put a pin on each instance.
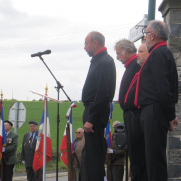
(173, 123)
(23, 162)
(88, 127)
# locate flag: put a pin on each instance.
(108, 128)
(63, 147)
(2, 130)
(38, 156)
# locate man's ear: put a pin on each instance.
(152, 36)
(95, 43)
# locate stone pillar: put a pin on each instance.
(171, 12)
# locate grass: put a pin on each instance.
(34, 111)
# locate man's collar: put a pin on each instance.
(101, 50)
(8, 132)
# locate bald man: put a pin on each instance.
(142, 54)
(138, 137)
(98, 91)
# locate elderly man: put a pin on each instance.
(78, 145)
(157, 94)
(28, 150)
(117, 157)
(126, 53)
(98, 91)
(9, 152)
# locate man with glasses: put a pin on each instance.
(78, 146)
(156, 95)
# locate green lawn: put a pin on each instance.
(34, 111)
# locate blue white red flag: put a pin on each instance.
(63, 147)
(38, 156)
(2, 130)
(108, 128)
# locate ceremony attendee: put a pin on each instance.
(126, 53)
(98, 91)
(142, 54)
(117, 157)
(28, 150)
(156, 95)
(138, 142)
(9, 152)
(78, 145)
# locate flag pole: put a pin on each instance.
(2, 129)
(45, 140)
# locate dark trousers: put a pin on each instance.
(116, 172)
(7, 172)
(130, 142)
(32, 175)
(94, 147)
(155, 127)
(139, 147)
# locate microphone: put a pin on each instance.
(41, 53)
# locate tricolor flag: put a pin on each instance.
(38, 156)
(63, 147)
(108, 128)
(2, 130)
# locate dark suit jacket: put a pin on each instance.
(9, 155)
(28, 150)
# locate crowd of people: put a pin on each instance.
(148, 94)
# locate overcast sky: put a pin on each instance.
(31, 26)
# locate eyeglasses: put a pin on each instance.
(77, 132)
(145, 33)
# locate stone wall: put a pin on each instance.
(171, 12)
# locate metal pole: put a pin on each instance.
(151, 10)
(58, 121)
(45, 141)
(16, 116)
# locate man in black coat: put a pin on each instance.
(98, 91)
(157, 88)
(126, 53)
(139, 144)
(28, 150)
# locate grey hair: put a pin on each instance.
(95, 35)
(81, 129)
(161, 29)
(126, 44)
(116, 122)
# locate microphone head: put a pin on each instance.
(47, 52)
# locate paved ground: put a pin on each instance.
(50, 176)
(62, 176)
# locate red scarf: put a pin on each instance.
(130, 60)
(126, 65)
(101, 50)
(137, 76)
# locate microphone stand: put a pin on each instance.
(58, 87)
